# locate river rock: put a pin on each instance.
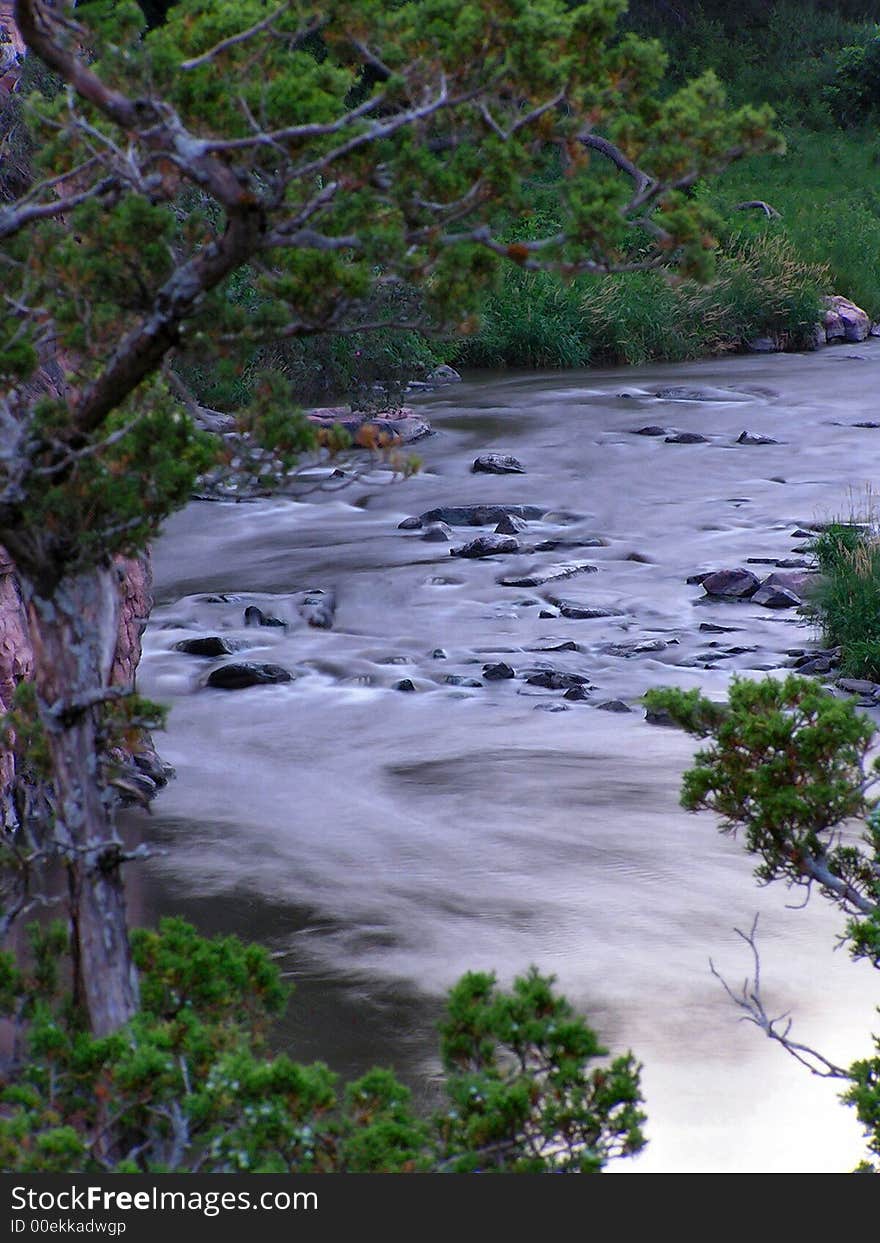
(577, 694)
(256, 617)
(844, 321)
(638, 648)
(367, 431)
(858, 686)
(437, 533)
(772, 597)
(680, 392)
(551, 574)
(652, 430)
(755, 438)
(319, 608)
(510, 525)
(209, 645)
(815, 666)
(497, 464)
(472, 515)
(614, 705)
(444, 374)
(736, 584)
(498, 673)
(686, 438)
(556, 679)
(551, 707)
(658, 716)
(405, 684)
(584, 612)
(487, 546)
(764, 345)
(247, 673)
(712, 628)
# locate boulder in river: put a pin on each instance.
(550, 574)
(498, 464)
(576, 611)
(614, 705)
(556, 679)
(844, 321)
(437, 533)
(208, 645)
(237, 677)
(686, 438)
(738, 584)
(498, 673)
(444, 374)
(472, 515)
(487, 546)
(370, 431)
(755, 438)
(773, 597)
(256, 617)
(511, 525)
(652, 430)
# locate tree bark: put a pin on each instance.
(73, 631)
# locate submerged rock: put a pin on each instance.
(498, 464)
(686, 438)
(682, 392)
(318, 608)
(472, 515)
(247, 673)
(614, 705)
(487, 546)
(550, 575)
(256, 617)
(575, 611)
(556, 679)
(755, 438)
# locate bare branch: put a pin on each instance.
(196, 61)
(642, 181)
(759, 205)
(750, 1002)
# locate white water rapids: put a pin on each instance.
(391, 841)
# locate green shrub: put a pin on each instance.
(846, 604)
(190, 1083)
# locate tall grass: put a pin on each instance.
(847, 602)
(827, 188)
(762, 287)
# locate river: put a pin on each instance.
(386, 842)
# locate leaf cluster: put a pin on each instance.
(191, 1083)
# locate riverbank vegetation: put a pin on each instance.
(190, 1083)
(846, 602)
(816, 64)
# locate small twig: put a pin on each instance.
(751, 1003)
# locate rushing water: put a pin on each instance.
(388, 841)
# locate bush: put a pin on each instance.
(761, 287)
(191, 1084)
(846, 604)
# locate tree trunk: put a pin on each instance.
(73, 630)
